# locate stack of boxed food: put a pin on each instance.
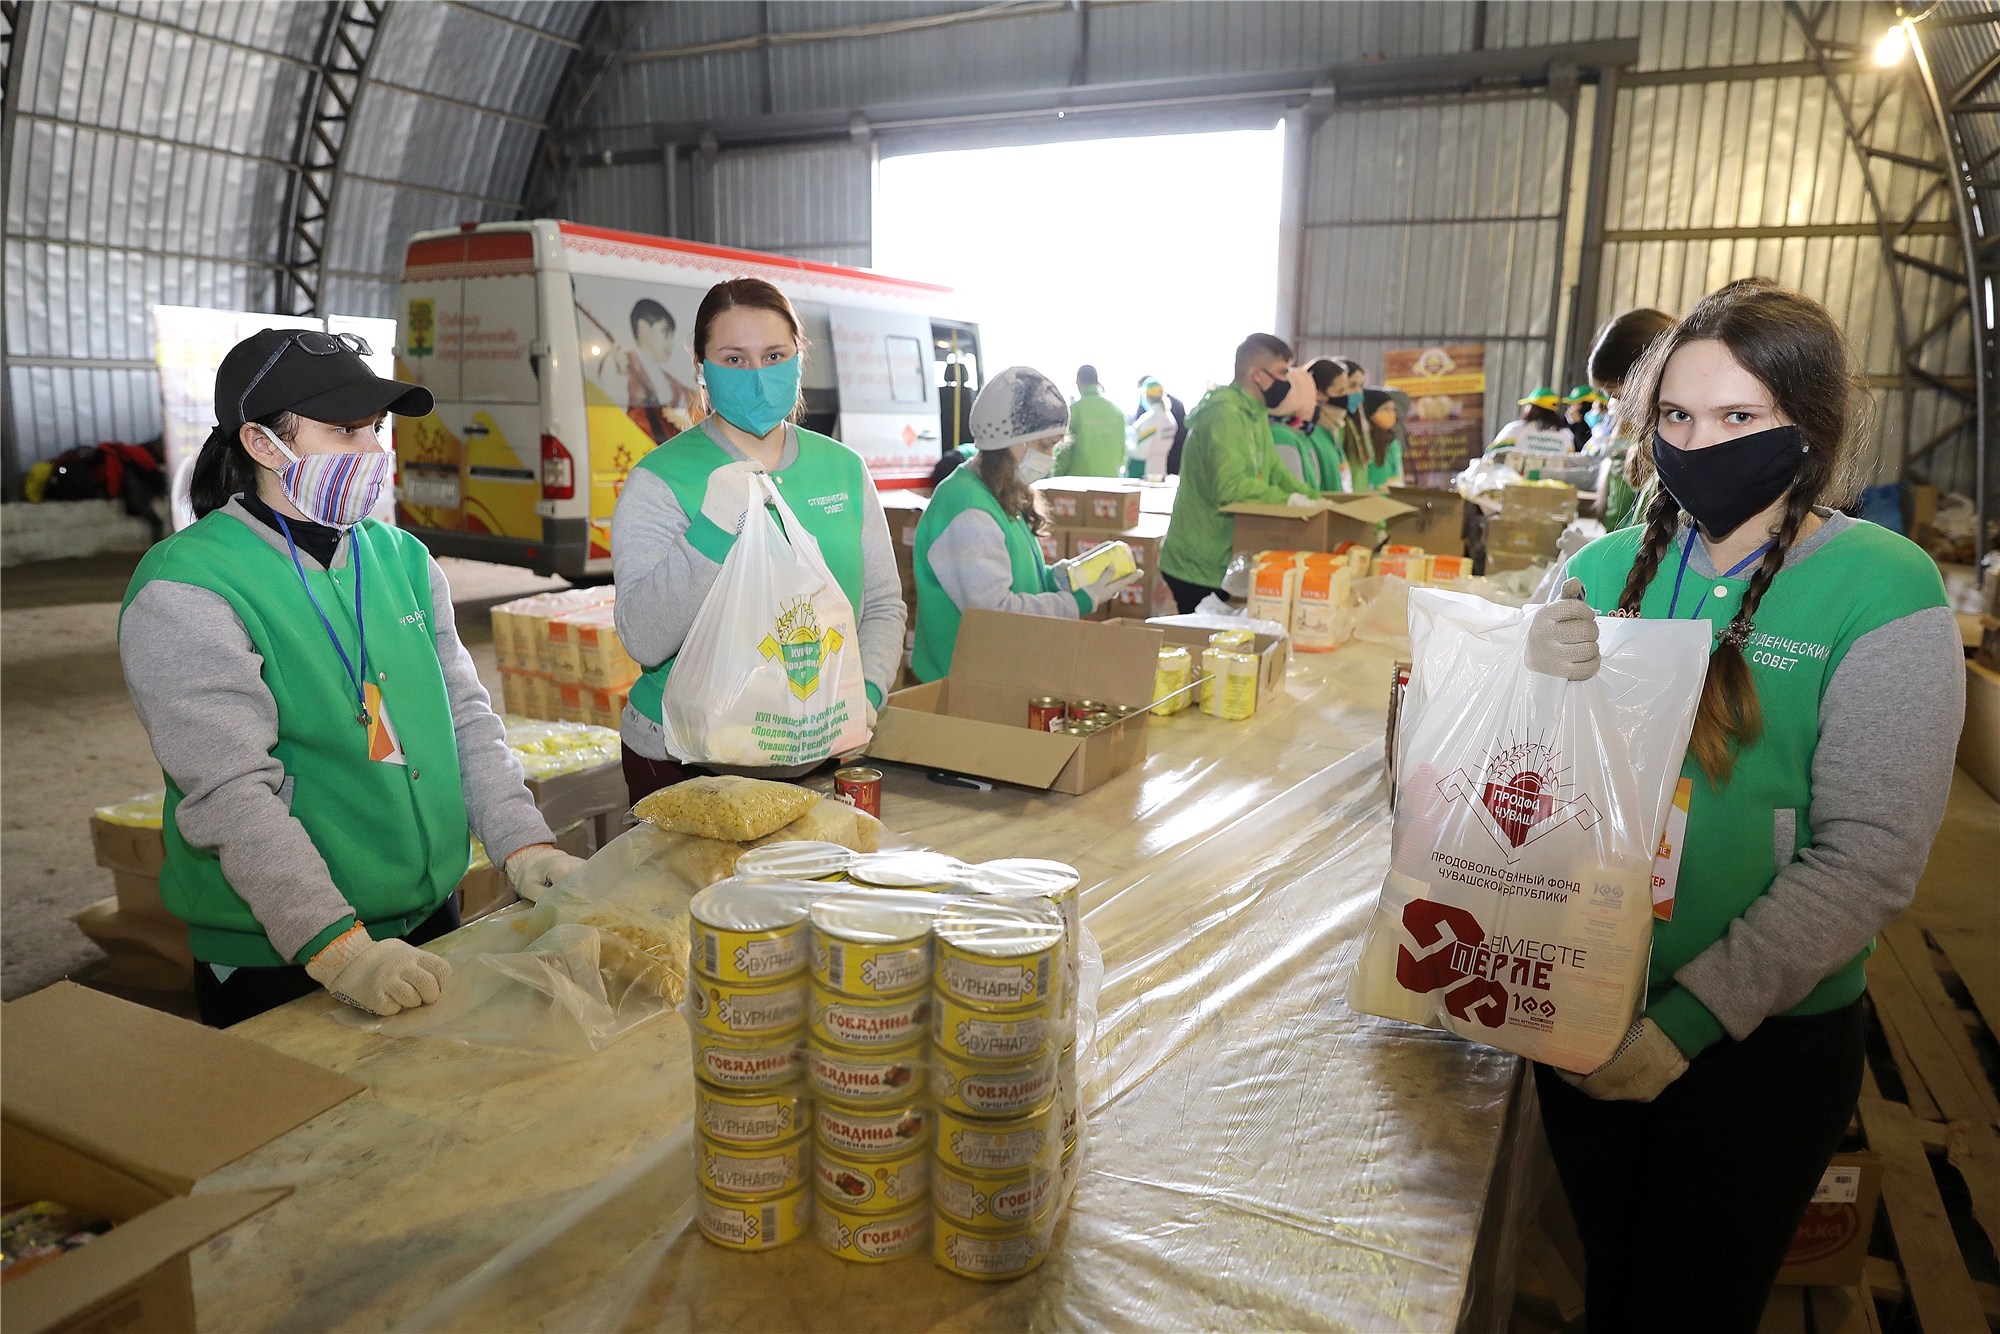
(560, 657)
(1530, 523)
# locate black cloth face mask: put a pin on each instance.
(1274, 392)
(1724, 486)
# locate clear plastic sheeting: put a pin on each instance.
(1256, 1155)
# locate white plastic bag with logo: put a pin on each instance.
(1518, 908)
(770, 673)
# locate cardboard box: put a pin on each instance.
(1987, 651)
(1535, 538)
(1274, 655)
(1321, 527)
(1831, 1246)
(1158, 497)
(143, 950)
(1438, 526)
(1503, 562)
(139, 895)
(1148, 598)
(113, 1109)
(1108, 504)
(903, 508)
(1538, 502)
(1920, 506)
(586, 794)
(1979, 742)
(975, 721)
(123, 847)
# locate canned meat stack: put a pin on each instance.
(870, 1012)
(995, 1047)
(747, 993)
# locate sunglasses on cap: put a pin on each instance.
(313, 342)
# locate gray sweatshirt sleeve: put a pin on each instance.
(197, 683)
(661, 579)
(1888, 734)
(970, 561)
(881, 616)
(497, 804)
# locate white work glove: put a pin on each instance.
(1562, 638)
(1639, 1071)
(534, 870)
(869, 715)
(1300, 500)
(1109, 586)
(380, 976)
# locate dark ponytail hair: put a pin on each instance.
(224, 467)
(1794, 348)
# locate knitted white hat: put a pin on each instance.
(1020, 403)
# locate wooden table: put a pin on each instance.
(1257, 1155)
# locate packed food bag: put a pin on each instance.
(1517, 911)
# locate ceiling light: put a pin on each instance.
(1895, 44)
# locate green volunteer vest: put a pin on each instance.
(1332, 458)
(393, 836)
(937, 614)
(1283, 433)
(824, 486)
(1857, 581)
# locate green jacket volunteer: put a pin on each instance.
(1096, 444)
(975, 545)
(1229, 459)
(682, 506)
(1818, 771)
(1305, 447)
(324, 736)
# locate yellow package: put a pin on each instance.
(725, 807)
(1176, 670)
(1092, 565)
(1272, 592)
(1236, 641)
(1318, 622)
(1230, 688)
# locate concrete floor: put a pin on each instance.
(70, 742)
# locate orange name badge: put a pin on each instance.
(1667, 860)
(383, 744)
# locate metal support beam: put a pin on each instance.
(332, 97)
(1805, 231)
(1292, 191)
(17, 17)
(541, 33)
(594, 58)
(1596, 192)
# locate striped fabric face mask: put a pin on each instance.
(337, 490)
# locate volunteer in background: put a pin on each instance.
(683, 505)
(1155, 427)
(1820, 762)
(1381, 420)
(1229, 460)
(976, 544)
(1302, 443)
(1582, 410)
(1331, 426)
(1615, 351)
(1152, 391)
(1539, 432)
(325, 738)
(1096, 444)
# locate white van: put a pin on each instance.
(559, 355)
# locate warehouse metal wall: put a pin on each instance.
(148, 153)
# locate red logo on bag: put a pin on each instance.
(1479, 998)
(1824, 1230)
(1518, 797)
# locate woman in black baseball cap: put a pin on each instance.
(325, 739)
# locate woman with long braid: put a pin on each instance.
(1821, 758)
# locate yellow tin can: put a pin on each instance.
(1002, 1200)
(745, 1012)
(872, 1185)
(981, 1035)
(1038, 877)
(909, 868)
(874, 1132)
(771, 1062)
(983, 1146)
(867, 1078)
(804, 859)
(871, 944)
(991, 1254)
(1067, 1173)
(1014, 1088)
(755, 1225)
(746, 934)
(756, 1117)
(999, 954)
(1069, 1103)
(1235, 641)
(748, 1172)
(865, 1023)
(1170, 680)
(868, 1239)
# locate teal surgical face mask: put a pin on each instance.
(753, 398)
(1354, 402)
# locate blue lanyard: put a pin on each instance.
(360, 629)
(1687, 551)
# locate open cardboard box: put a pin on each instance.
(117, 1110)
(1830, 1248)
(1274, 655)
(1321, 526)
(1108, 504)
(975, 721)
(1437, 523)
